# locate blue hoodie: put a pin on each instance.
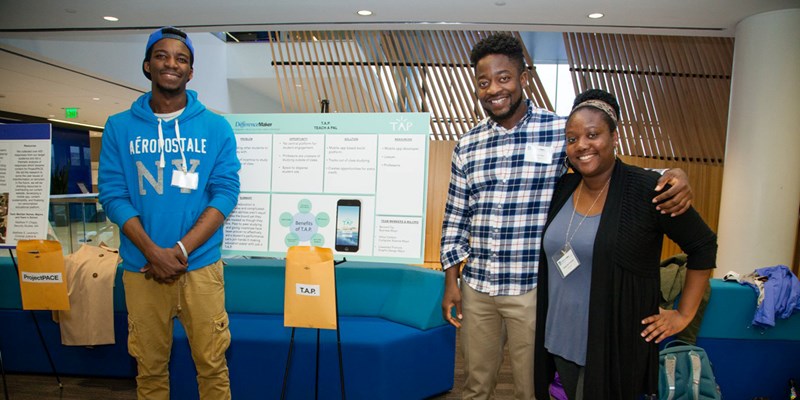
(132, 184)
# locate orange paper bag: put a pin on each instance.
(42, 278)
(310, 291)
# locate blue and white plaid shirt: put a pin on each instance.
(500, 189)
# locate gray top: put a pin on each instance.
(567, 326)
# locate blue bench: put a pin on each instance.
(748, 361)
(22, 348)
(395, 344)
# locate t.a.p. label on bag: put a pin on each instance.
(310, 288)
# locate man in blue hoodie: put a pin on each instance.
(169, 177)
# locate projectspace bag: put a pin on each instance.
(42, 276)
(685, 373)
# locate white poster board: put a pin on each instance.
(296, 168)
(24, 182)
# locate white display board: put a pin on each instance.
(24, 182)
(296, 168)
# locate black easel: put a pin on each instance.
(324, 103)
(5, 385)
(316, 364)
(41, 339)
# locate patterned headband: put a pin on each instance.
(600, 105)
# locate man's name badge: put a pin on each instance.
(538, 154)
(566, 260)
(184, 180)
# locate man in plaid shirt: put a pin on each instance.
(502, 178)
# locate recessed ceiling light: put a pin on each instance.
(364, 13)
(596, 15)
(95, 98)
(110, 18)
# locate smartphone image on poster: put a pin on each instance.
(348, 225)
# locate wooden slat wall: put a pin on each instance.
(673, 90)
(387, 71)
(664, 107)
(393, 71)
(673, 94)
(441, 152)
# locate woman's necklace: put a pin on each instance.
(569, 238)
(567, 261)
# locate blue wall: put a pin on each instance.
(71, 147)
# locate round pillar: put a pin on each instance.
(760, 198)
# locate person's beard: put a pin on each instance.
(170, 91)
(504, 116)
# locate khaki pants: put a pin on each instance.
(486, 321)
(197, 299)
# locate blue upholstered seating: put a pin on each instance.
(748, 361)
(395, 344)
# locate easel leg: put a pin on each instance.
(341, 365)
(3, 370)
(46, 351)
(288, 363)
(339, 337)
(39, 331)
(316, 371)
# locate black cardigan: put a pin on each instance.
(625, 285)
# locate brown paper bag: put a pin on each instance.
(310, 289)
(42, 278)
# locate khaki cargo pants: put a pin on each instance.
(197, 299)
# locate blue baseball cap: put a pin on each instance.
(167, 32)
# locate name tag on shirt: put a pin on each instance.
(566, 261)
(538, 154)
(184, 180)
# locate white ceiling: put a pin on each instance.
(32, 87)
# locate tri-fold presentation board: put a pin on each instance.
(356, 183)
(25, 153)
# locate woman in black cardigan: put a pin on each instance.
(598, 287)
